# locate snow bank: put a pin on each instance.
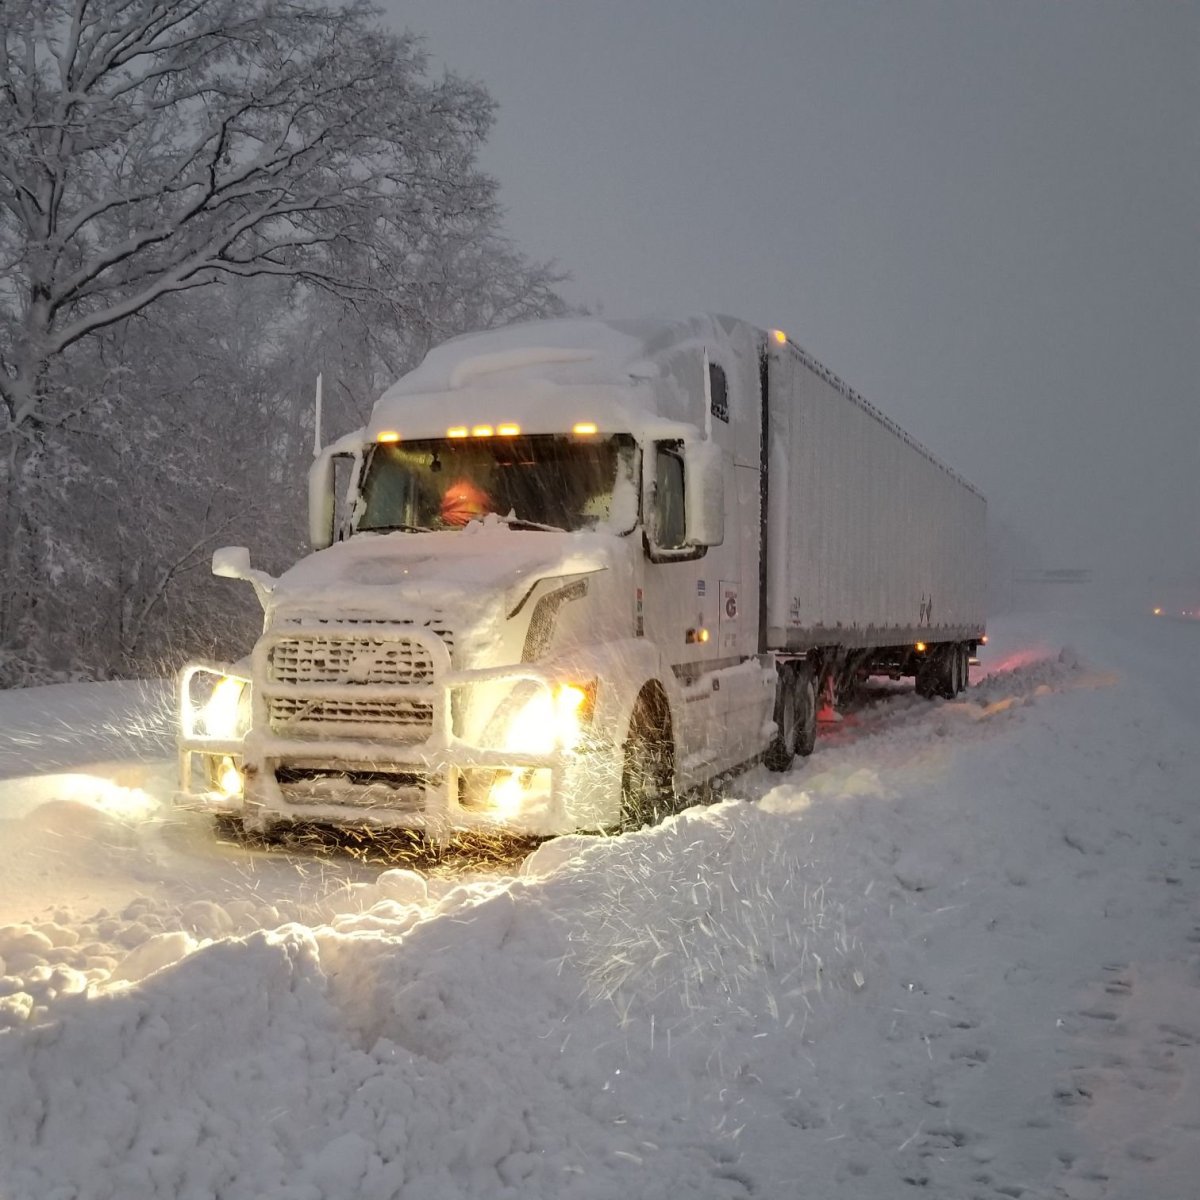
(955, 951)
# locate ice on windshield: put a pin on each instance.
(545, 481)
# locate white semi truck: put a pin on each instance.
(576, 569)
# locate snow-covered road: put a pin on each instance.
(956, 953)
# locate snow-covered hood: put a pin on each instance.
(405, 575)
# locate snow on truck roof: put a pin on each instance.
(542, 356)
(567, 350)
(635, 376)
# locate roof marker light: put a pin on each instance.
(482, 431)
(508, 430)
(779, 336)
(388, 435)
(583, 428)
(457, 431)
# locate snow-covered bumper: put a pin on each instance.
(353, 728)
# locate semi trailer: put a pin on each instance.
(574, 569)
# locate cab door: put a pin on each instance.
(691, 606)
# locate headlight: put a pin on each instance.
(226, 713)
(547, 721)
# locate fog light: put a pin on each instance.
(229, 778)
(514, 791)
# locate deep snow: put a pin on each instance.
(955, 953)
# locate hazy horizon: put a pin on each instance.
(982, 217)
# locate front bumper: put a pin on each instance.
(437, 784)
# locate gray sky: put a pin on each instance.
(983, 215)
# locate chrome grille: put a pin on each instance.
(313, 658)
(366, 718)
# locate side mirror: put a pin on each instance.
(704, 483)
(321, 501)
(231, 562)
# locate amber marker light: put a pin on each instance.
(508, 430)
(457, 431)
(482, 431)
(1158, 612)
(779, 336)
(920, 647)
(583, 428)
(702, 635)
(388, 435)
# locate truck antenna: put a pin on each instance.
(317, 420)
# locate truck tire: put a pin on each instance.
(806, 711)
(782, 750)
(938, 674)
(648, 775)
(795, 718)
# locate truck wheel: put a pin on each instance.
(937, 675)
(960, 668)
(806, 713)
(648, 777)
(782, 750)
(796, 718)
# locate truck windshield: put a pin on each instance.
(546, 481)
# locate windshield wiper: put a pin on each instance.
(392, 528)
(520, 523)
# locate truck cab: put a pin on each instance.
(533, 605)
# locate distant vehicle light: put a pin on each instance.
(388, 435)
(457, 431)
(1158, 612)
(983, 640)
(482, 431)
(508, 430)
(779, 336)
(584, 428)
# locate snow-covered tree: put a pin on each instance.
(150, 148)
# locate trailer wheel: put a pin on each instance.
(960, 668)
(938, 674)
(648, 776)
